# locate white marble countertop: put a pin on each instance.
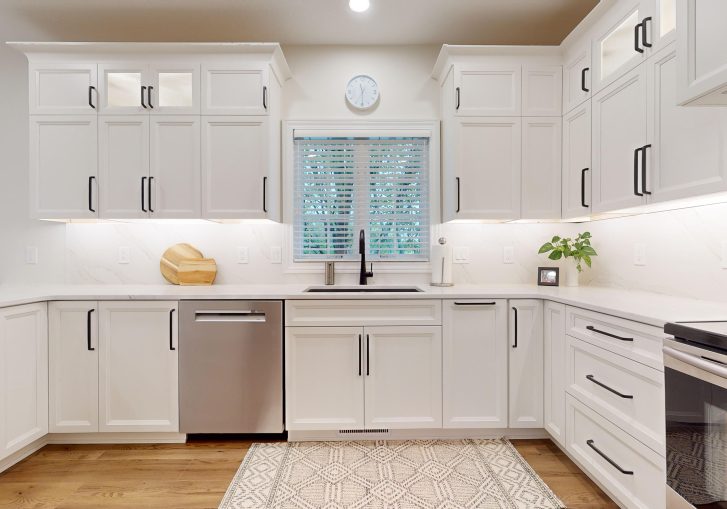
(650, 308)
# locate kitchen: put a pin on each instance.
(531, 123)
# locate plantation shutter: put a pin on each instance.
(343, 185)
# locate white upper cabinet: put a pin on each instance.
(619, 141)
(577, 76)
(63, 89)
(541, 168)
(488, 90)
(661, 29)
(526, 363)
(123, 88)
(576, 198)
(175, 89)
(702, 38)
(542, 90)
(234, 90)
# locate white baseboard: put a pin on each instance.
(116, 438)
(23, 453)
(418, 434)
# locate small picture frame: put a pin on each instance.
(548, 276)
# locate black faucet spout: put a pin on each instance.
(363, 274)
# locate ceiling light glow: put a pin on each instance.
(359, 5)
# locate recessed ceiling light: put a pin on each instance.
(358, 5)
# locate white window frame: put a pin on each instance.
(347, 128)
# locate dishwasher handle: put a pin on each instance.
(229, 316)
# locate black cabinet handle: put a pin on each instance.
(359, 355)
(636, 172)
(613, 463)
(637, 39)
(593, 329)
(458, 195)
(90, 193)
(265, 97)
(644, 38)
(583, 79)
(143, 198)
(171, 329)
(91, 90)
(148, 187)
(601, 384)
(148, 96)
(368, 357)
(475, 303)
(265, 192)
(143, 89)
(583, 188)
(457, 94)
(88, 330)
(515, 310)
(643, 169)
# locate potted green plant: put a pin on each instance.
(579, 249)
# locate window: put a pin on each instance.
(378, 184)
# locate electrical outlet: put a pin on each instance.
(124, 255)
(461, 254)
(724, 254)
(243, 254)
(31, 255)
(640, 254)
(276, 254)
(508, 254)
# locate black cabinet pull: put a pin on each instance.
(601, 384)
(91, 90)
(643, 169)
(265, 97)
(583, 188)
(593, 329)
(637, 39)
(143, 198)
(265, 192)
(90, 193)
(475, 303)
(171, 329)
(515, 310)
(148, 96)
(636, 172)
(143, 89)
(457, 94)
(458, 202)
(611, 462)
(583, 79)
(368, 357)
(88, 330)
(644, 38)
(359, 355)
(148, 187)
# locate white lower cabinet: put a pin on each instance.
(23, 376)
(554, 364)
(474, 374)
(526, 363)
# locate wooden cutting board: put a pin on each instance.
(183, 264)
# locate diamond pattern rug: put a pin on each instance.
(412, 474)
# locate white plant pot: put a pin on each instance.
(571, 273)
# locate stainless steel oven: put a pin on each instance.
(695, 373)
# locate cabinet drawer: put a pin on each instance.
(316, 313)
(601, 448)
(637, 341)
(626, 392)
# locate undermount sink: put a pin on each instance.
(362, 289)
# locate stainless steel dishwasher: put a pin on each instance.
(231, 366)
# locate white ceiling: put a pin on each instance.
(303, 21)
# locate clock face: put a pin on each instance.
(362, 92)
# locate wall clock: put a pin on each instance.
(362, 92)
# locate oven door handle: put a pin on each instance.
(696, 362)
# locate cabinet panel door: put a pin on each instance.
(403, 377)
(234, 90)
(63, 89)
(123, 88)
(23, 376)
(73, 367)
(577, 75)
(526, 363)
(123, 142)
(175, 167)
(474, 344)
(577, 162)
(324, 378)
(619, 130)
(554, 356)
(138, 366)
(487, 171)
(488, 90)
(63, 167)
(175, 89)
(235, 162)
(541, 168)
(687, 156)
(542, 90)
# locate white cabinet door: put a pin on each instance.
(542, 90)
(234, 90)
(324, 378)
(63, 167)
(175, 89)
(488, 90)
(526, 363)
(235, 166)
(138, 366)
(577, 76)
(577, 162)
(23, 376)
(403, 377)
(176, 190)
(686, 157)
(554, 370)
(619, 132)
(487, 168)
(124, 88)
(474, 345)
(123, 142)
(63, 89)
(541, 168)
(73, 367)
(661, 29)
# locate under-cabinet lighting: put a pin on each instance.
(359, 5)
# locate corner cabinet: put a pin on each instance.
(526, 363)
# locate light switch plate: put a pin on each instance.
(508, 254)
(276, 254)
(31, 255)
(124, 255)
(640, 254)
(243, 254)
(461, 254)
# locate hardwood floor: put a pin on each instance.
(196, 475)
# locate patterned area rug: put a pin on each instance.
(416, 474)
